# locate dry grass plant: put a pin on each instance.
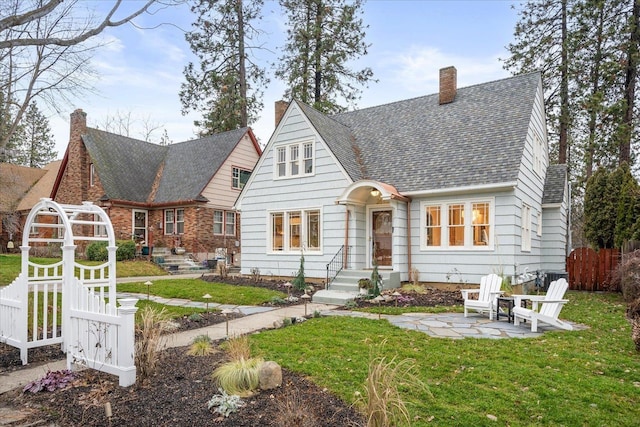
(292, 412)
(149, 340)
(414, 276)
(382, 402)
(238, 347)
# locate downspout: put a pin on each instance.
(409, 237)
(345, 253)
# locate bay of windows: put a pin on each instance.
(294, 160)
(465, 224)
(295, 230)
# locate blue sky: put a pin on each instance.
(141, 70)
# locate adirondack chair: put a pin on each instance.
(550, 306)
(487, 294)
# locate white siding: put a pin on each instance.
(265, 194)
(219, 191)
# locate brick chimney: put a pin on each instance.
(281, 108)
(448, 84)
(78, 124)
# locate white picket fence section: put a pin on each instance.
(92, 330)
(102, 333)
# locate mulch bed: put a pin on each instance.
(179, 392)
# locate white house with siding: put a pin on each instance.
(454, 185)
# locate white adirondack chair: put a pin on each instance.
(550, 306)
(487, 295)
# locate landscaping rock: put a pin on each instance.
(270, 375)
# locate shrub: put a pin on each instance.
(97, 251)
(148, 340)
(126, 250)
(293, 411)
(299, 281)
(239, 377)
(224, 403)
(626, 276)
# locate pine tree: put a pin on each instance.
(225, 87)
(36, 144)
(323, 36)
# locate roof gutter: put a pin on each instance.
(486, 188)
(129, 203)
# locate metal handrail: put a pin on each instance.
(337, 264)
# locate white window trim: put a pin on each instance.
(468, 226)
(303, 231)
(175, 221)
(526, 228)
(300, 161)
(539, 229)
(218, 222)
(146, 222)
(240, 170)
(235, 223)
(538, 157)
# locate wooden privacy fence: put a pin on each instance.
(590, 270)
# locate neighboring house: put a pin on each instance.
(21, 188)
(454, 185)
(179, 195)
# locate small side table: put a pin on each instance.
(508, 303)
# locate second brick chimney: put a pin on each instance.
(448, 84)
(281, 108)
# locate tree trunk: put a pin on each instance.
(630, 86)
(564, 91)
(242, 73)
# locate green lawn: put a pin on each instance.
(578, 378)
(586, 378)
(195, 289)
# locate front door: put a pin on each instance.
(381, 232)
(140, 226)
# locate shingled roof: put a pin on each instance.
(418, 144)
(128, 168)
(555, 184)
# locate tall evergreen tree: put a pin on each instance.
(323, 36)
(541, 44)
(36, 145)
(226, 86)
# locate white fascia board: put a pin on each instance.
(471, 189)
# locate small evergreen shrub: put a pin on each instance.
(126, 250)
(97, 251)
(298, 282)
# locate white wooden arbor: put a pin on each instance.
(91, 329)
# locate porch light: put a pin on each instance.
(375, 192)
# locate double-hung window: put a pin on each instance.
(295, 230)
(293, 160)
(239, 178)
(538, 155)
(466, 224)
(99, 230)
(224, 222)
(174, 221)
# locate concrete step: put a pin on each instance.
(333, 297)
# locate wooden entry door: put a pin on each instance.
(381, 233)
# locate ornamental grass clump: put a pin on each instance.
(149, 340)
(382, 402)
(241, 375)
(202, 345)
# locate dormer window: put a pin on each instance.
(293, 160)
